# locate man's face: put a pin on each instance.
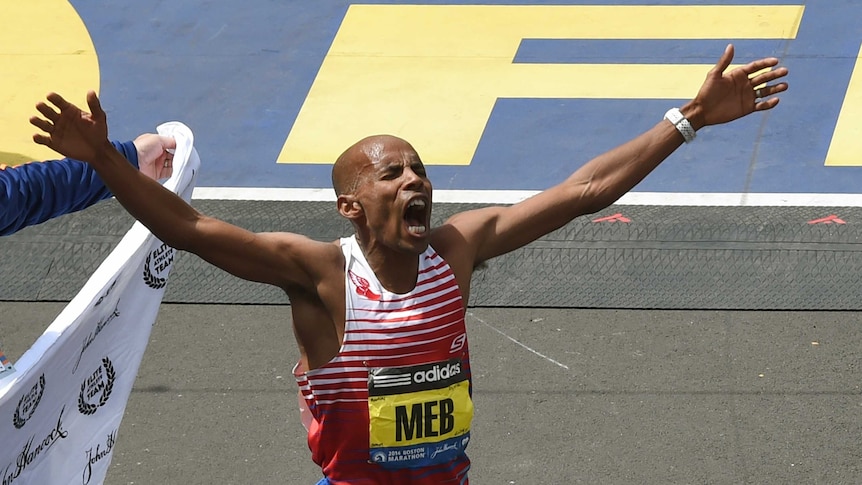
(395, 194)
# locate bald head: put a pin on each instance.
(349, 166)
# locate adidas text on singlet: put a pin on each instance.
(394, 406)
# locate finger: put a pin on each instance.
(775, 88)
(762, 93)
(764, 64)
(42, 139)
(95, 105)
(724, 61)
(766, 104)
(168, 142)
(47, 111)
(43, 125)
(769, 90)
(58, 101)
(769, 76)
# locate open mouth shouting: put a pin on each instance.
(416, 216)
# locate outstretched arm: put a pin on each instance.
(723, 97)
(268, 258)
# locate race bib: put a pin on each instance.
(419, 415)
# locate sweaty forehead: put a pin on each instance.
(395, 152)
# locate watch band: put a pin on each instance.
(677, 119)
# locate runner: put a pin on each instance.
(379, 317)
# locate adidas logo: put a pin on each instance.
(437, 373)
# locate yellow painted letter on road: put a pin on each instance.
(846, 147)
(431, 74)
(44, 46)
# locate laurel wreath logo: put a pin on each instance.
(110, 374)
(150, 279)
(17, 420)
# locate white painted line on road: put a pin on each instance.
(483, 322)
(514, 196)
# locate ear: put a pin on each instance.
(349, 207)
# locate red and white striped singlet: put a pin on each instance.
(393, 407)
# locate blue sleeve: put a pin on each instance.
(34, 192)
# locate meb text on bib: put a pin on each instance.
(419, 415)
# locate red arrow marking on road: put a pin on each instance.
(830, 219)
(614, 218)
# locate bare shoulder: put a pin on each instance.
(466, 231)
(301, 242)
(459, 241)
(307, 252)
(288, 260)
(472, 223)
(325, 261)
